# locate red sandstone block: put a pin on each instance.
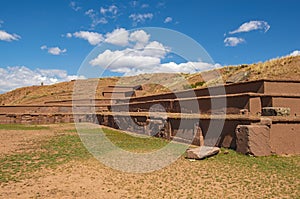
(253, 139)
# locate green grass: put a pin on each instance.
(125, 141)
(197, 84)
(134, 144)
(22, 127)
(58, 150)
(270, 164)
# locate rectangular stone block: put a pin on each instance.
(253, 140)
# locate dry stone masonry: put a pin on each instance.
(260, 117)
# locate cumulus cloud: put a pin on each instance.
(68, 35)
(133, 64)
(117, 37)
(132, 61)
(20, 76)
(168, 20)
(140, 55)
(140, 37)
(123, 61)
(187, 67)
(56, 50)
(233, 41)
(140, 18)
(93, 38)
(53, 50)
(5, 36)
(295, 53)
(252, 25)
(155, 49)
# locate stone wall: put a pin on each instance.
(238, 127)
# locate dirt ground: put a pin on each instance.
(182, 179)
(15, 140)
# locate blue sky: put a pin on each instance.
(48, 40)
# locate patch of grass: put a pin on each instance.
(22, 127)
(187, 86)
(129, 142)
(135, 144)
(197, 84)
(271, 164)
(58, 150)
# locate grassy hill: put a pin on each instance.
(281, 68)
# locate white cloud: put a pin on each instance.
(123, 61)
(187, 67)
(53, 50)
(5, 36)
(74, 6)
(168, 20)
(43, 47)
(131, 61)
(295, 53)
(113, 10)
(140, 37)
(233, 41)
(155, 49)
(56, 50)
(141, 56)
(89, 12)
(102, 20)
(140, 18)
(103, 15)
(95, 18)
(252, 25)
(117, 37)
(134, 65)
(92, 37)
(20, 76)
(103, 10)
(150, 54)
(69, 35)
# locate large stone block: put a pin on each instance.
(253, 139)
(202, 152)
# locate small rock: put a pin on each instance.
(226, 152)
(202, 152)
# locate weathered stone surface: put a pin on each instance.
(253, 139)
(266, 121)
(202, 152)
(244, 112)
(275, 111)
